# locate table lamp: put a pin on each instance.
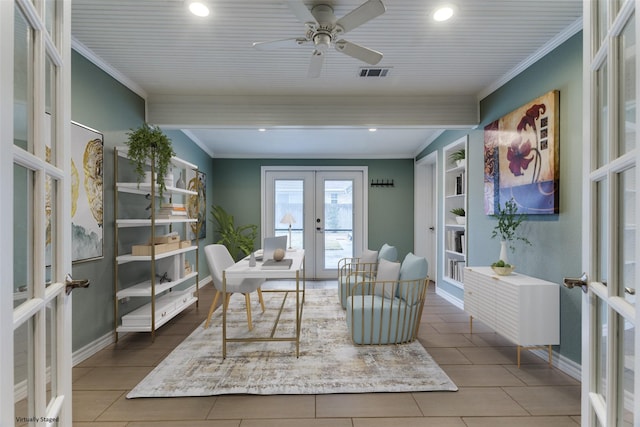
(288, 219)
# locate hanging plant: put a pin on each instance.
(149, 145)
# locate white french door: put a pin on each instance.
(35, 322)
(328, 206)
(611, 209)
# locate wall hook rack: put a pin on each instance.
(382, 183)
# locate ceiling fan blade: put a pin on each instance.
(301, 11)
(277, 44)
(362, 53)
(360, 15)
(315, 65)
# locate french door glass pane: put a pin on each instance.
(601, 355)
(50, 18)
(338, 219)
(22, 221)
(51, 336)
(627, 91)
(50, 212)
(603, 18)
(603, 116)
(23, 37)
(23, 367)
(627, 235)
(626, 374)
(49, 118)
(602, 236)
(289, 196)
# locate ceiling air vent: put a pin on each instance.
(375, 72)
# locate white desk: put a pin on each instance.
(241, 270)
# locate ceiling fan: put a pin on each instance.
(324, 30)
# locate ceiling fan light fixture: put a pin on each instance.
(443, 13)
(322, 41)
(198, 8)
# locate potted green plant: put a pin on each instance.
(509, 220)
(458, 156)
(149, 145)
(239, 240)
(460, 215)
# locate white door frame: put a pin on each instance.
(426, 211)
(606, 306)
(38, 300)
(361, 223)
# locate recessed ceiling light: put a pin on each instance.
(372, 129)
(262, 130)
(443, 13)
(198, 8)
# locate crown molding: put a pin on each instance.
(104, 66)
(562, 37)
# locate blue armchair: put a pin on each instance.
(350, 269)
(386, 308)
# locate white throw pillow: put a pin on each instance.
(387, 272)
(369, 256)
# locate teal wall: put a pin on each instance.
(237, 189)
(101, 103)
(556, 239)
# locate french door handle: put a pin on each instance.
(71, 284)
(630, 291)
(581, 281)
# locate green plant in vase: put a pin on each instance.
(458, 156)
(148, 145)
(509, 220)
(239, 240)
(460, 214)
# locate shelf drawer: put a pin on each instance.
(166, 306)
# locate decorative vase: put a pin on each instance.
(180, 183)
(503, 251)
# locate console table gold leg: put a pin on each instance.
(471, 325)
(519, 348)
(550, 355)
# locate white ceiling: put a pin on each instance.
(204, 76)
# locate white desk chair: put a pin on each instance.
(219, 259)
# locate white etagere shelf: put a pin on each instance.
(143, 289)
(164, 300)
(454, 234)
(125, 258)
(167, 307)
(122, 223)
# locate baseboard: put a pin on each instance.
(566, 365)
(453, 300)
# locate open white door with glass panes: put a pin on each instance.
(35, 323)
(610, 313)
(321, 208)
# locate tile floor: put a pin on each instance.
(493, 392)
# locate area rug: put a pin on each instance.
(328, 362)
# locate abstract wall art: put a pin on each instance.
(87, 146)
(521, 158)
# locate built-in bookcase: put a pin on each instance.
(455, 227)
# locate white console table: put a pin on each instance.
(523, 309)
